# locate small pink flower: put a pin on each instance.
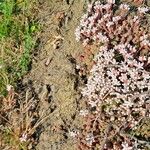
(123, 78)
(143, 10)
(124, 7)
(111, 1)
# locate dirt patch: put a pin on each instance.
(54, 76)
(53, 73)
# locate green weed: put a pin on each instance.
(17, 29)
(12, 141)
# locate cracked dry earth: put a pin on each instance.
(53, 75)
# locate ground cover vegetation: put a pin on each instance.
(18, 26)
(117, 90)
(113, 72)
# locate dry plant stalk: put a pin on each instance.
(21, 116)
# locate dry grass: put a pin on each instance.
(19, 120)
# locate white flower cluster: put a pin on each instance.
(124, 7)
(119, 78)
(23, 138)
(101, 25)
(90, 24)
(126, 146)
(83, 112)
(90, 139)
(124, 82)
(143, 10)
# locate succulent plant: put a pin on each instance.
(118, 86)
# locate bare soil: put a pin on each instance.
(53, 74)
(54, 77)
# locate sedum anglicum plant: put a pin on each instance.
(118, 85)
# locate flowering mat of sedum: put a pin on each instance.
(85, 91)
(117, 90)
